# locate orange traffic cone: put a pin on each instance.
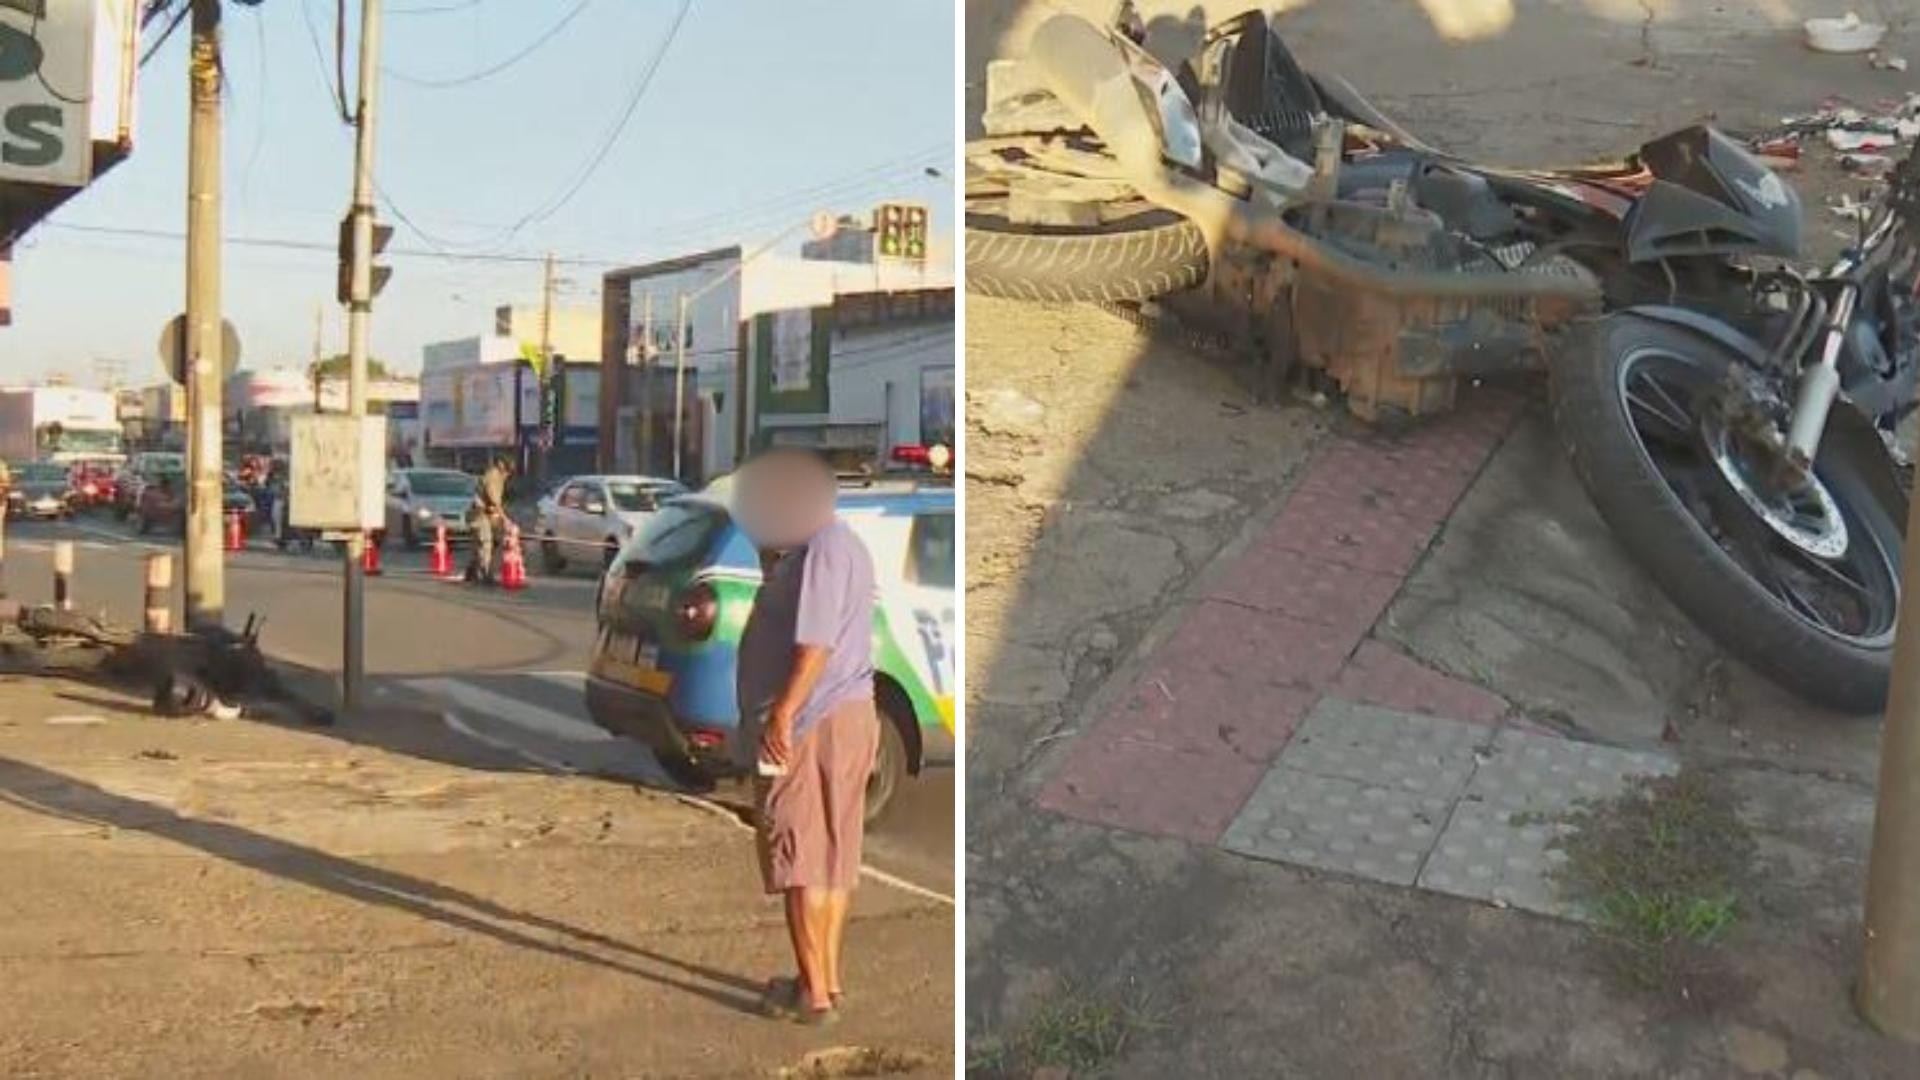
(441, 565)
(513, 565)
(370, 558)
(236, 535)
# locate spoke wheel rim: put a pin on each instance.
(1805, 551)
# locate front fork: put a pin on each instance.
(1820, 384)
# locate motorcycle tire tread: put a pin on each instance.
(1113, 267)
(1687, 563)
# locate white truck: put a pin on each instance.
(60, 424)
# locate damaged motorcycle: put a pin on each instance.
(1731, 416)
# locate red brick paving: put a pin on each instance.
(1150, 789)
(1379, 674)
(1283, 625)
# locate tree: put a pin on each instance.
(335, 367)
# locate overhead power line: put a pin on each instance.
(553, 206)
(495, 68)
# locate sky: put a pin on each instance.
(760, 113)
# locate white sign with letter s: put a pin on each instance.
(46, 90)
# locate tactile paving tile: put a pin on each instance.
(1193, 708)
(1495, 846)
(1335, 824)
(1485, 854)
(1420, 755)
(1336, 528)
(1544, 774)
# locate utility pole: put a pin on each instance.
(319, 330)
(359, 315)
(646, 384)
(546, 372)
(206, 583)
(680, 388)
(1889, 989)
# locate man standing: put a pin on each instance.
(487, 519)
(807, 714)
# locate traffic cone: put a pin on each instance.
(236, 536)
(370, 558)
(513, 565)
(441, 565)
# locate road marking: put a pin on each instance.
(452, 720)
(545, 721)
(868, 869)
(519, 713)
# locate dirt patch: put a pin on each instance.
(848, 1061)
(1665, 867)
(1072, 1032)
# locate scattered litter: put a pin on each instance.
(1868, 165)
(1005, 411)
(75, 721)
(1850, 208)
(1889, 62)
(1846, 34)
(1162, 687)
(158, 755)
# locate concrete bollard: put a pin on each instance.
(63, 575)
(159, 601)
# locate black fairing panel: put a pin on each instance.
(1710, 196)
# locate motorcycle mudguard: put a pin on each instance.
(1704, 325)
(1846, 424)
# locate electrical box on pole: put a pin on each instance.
(343, 286)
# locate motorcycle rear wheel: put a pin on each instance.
(1627, 403)
(1127, 261)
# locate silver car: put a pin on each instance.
(589, 518)
(419, 500)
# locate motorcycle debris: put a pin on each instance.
(1867, 165)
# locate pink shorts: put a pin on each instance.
(813, 817)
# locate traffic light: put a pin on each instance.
(379, 274)
(900, 231)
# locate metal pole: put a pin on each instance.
(546, 371)
(359, 312)
(646, 385)
(206, 584)
(1889, 990)
(679, 388)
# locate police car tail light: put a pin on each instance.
(695, 610)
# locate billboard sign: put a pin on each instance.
(46, 91)
(470, 406)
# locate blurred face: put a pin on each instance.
(784, 499)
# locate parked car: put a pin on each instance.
(420, 499)
(39, 490)
(163, 502)
(672, 607)
(597, 512)
(140, 469)
(93, 483)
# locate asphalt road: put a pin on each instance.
(502, 670)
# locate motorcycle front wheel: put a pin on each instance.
(1804, 584)
(1128, 260)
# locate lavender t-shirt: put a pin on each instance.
(820, 594)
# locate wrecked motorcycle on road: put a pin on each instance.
(1730, 416)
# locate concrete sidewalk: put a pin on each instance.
(189, 898)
